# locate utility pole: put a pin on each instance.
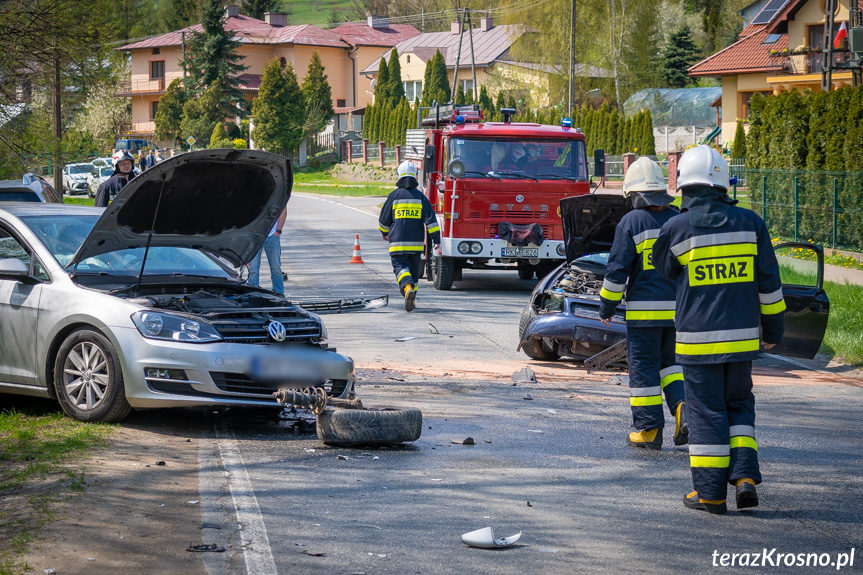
(183, 46)
(458, 55)
(57, 91)
(472, 58)
(827, 59)
(571, 57)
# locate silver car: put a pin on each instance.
(138, 306)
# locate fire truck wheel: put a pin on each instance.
(369, 426)
(443, 273)
(534, 348)
(525, 272)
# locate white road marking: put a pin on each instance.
(253, 532)
(333, 202)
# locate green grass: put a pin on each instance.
(843, 339)
(320, 12)
(38, 445)
(79, 200)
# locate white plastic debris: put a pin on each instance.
(484, 539)
(551, 411)
(404, 339)
(193, 502)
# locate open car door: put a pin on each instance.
(801, 267)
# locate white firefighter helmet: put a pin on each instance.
(644, 175)
(407, 168)
(121, 155)
(518, 152)
(702, 165)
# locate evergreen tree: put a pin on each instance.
(459, 95)
(648, 141)
(485, 102)
(317, 95)
(368, 120)
(396, 87)
(382, 87)
(212, 59)
(169, 115)
(754, 142)
(679, 54)
(436, 87)
(500, 103)
(738, 148)
(181, 13)
(219, 138)
(257, 8)
(278, 109)
(199, 116)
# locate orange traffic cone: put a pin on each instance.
(358, 256)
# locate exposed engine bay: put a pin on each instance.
(579, 279)
(203, 302)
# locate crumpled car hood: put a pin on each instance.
(223, 202)
(589, 222)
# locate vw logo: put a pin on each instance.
(519, 198)
(277, 331)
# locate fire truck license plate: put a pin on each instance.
(517, 252)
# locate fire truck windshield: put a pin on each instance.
(525, 158)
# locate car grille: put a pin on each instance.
(241, 383)
(518, 215)
(250, 325)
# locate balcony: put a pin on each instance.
(151, 87)
(804, 62)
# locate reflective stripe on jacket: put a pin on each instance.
(405, 218)
(729, 293)
(630, 270)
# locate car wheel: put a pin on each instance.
(534, 348)
(88, 378)
(444, 271)
(369, 426)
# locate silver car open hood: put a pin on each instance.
(219, 201)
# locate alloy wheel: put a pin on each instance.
(85, 375)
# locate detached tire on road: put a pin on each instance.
(369, 426)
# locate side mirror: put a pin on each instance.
(455, 168)
(13, 267)
(430, 162)
(599, 163)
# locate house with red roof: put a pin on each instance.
(344, 51)
(781, 49)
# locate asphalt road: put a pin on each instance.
(553, 467)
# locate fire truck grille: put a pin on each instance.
(518, 215)
(492, 232)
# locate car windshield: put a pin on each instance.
(82, 169)
(18, 196)
(107, 171)
(64, 234)
(521, 158)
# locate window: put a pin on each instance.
(745, 97)
(157, 70)
(340, 103)
(154, 107)
(283, 63)
(155, 51)
(409, 59)
(413, 90)
(772, 39)
(467, 86)
(11, 248)
(816, 37)
(521, 158)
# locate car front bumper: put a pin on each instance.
(577, 328)
(223, 373)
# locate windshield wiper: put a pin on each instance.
(483, 174)
(557, 177)
(515, 175)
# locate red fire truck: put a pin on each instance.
(496, 188)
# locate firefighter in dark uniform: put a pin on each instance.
(405, 218)
(728, 291)
(123, 164)
(649, 307)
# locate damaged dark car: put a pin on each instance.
(561, 319)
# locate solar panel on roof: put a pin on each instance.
(766, 15)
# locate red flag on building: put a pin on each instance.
(841, 35)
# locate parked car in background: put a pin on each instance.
(102, 162)
(562, 316)
(137, 306)
(76, 176)
(30, 188)
(100, 175)
(134, 145)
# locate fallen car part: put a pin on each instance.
(343, 304)
(202, 548)
(606, 357)
(369, 426)
(484, 539)
(524, 375)
(314, 399)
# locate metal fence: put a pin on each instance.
(807, 205)
(357, 148)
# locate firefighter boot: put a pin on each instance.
(410, 297)
(746, 494)
(646, 438)
(692, 501)
(681, 427)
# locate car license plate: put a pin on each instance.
(517, 252)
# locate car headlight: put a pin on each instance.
(156, 325)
